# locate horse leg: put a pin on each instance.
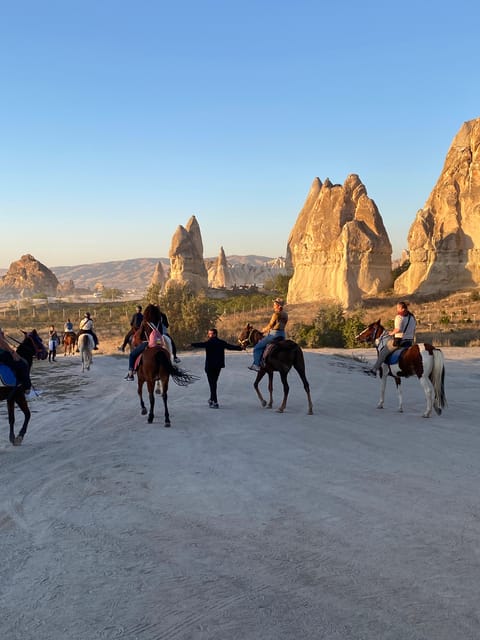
(286, 389)
(429, 394)
(270, 389)
(139, 391)
(11, 419)
(383, 384)
(151, 396)
(260, 375)
(23, 405)
(164, 396)
(306, 386)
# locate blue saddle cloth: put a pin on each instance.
(394, 357)
(7, 376)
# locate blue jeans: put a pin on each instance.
(135, 353)
(261, 344)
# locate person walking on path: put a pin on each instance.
(53, 342)
(214, 361)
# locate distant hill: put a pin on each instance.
(136, 274)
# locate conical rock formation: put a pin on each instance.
(28, 276)
(444, 239)
(338, 249)
(158, 278)
(186, 258)
(219, 274)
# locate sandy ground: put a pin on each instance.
(241, 523)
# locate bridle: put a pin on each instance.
(247, 342)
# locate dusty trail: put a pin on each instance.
(241, 523)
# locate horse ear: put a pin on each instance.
(378, 321)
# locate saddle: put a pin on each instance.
(394, 357)
(271, 346)
(7, 377)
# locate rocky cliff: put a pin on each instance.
(186, 258)
(339, 248)
(27, 277)
(444, 239)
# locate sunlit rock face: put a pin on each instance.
(338, 249)
(444, 239)
(28, 276)
(219, 273)
(158, 278)
(186, 258)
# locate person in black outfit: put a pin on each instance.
(135, 323)
(214, 361)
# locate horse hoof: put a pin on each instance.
(310, 413)
(167, 424)
(263, 403)
(150, 419)
(144, 412)
(279, 410)
(18, 441)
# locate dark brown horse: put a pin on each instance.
(31, 346)
(156, 365)
(425, 361)
(283, 355)
(69, 341)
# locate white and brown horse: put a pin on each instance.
(424, 361)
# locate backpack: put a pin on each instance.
(155, 339)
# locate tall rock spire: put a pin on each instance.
(338, 249)
(444, 239)
(186, 258)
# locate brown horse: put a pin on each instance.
(425, 361)
(31, 346)
(69, 341)
(156, 365)
(284, 355)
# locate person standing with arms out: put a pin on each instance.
(53, 342)
(214, 361)
(402, 335)
(274, 329)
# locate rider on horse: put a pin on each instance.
(402, 335)
(273, 330)
(19, 366)
(135, 323)
(86, 326)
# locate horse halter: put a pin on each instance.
(247, 342)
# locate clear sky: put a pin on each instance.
(119, 120)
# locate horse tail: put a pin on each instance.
(180, 377)
(437, 378)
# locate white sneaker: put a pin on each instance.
(254, 367)
(32, 394)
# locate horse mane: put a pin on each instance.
(152, 314)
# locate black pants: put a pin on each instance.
(212, 377)
(19, 367)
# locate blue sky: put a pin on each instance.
(119, 120)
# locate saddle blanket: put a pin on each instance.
(394, 357)
(7, 377)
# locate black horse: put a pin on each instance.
(283, 355)
(31, 346)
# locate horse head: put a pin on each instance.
(371, 333)
(245, 337)
(32, 345)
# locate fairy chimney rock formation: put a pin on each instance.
(338, 249)
(444, 239)
(158, 278)
(186, 258)
(28, 276)
(219, 274)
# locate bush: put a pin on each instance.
(330, 328)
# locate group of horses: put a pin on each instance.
(155, 366)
